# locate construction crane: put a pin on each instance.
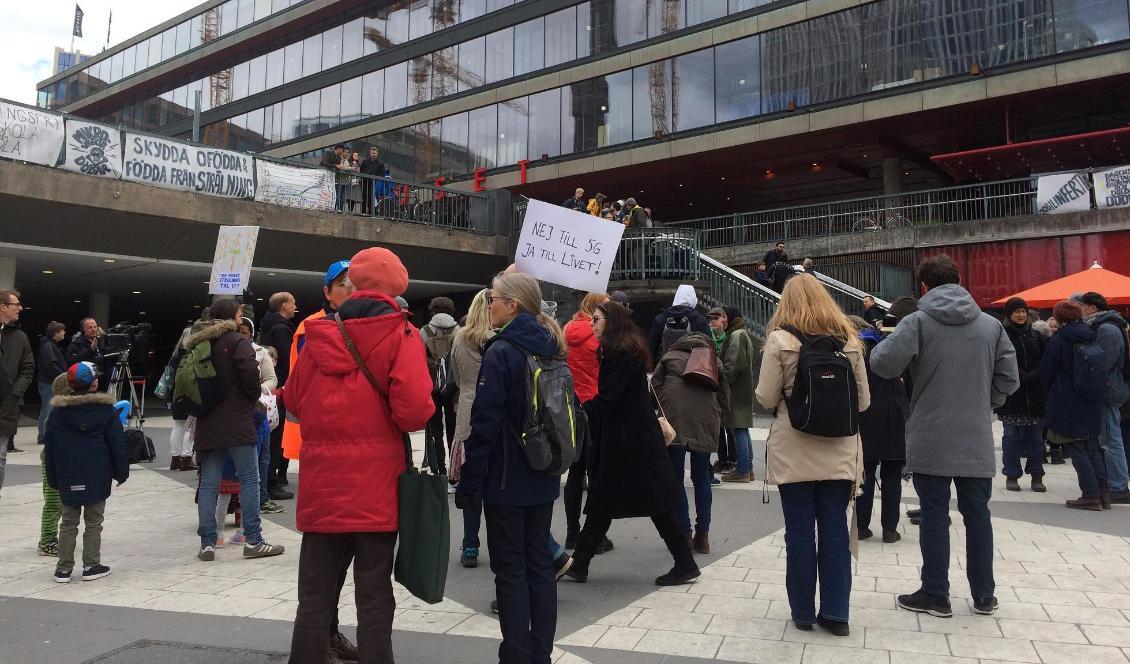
(219, 83)
(669, 22)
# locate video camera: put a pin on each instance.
(123, 337)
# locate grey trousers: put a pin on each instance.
(91, 535)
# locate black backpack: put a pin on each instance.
(139, 447)
(825, 400)
(675, 327)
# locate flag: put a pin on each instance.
(78, 22)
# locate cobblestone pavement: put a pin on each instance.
(1063, 582)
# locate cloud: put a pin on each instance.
(31, 31)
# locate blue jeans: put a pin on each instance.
(45, 395)
(263, 448)
(1026, 441)
(934, 532)
(1114, 450)
(1090, 466)
(817, 509)
(246, 460)
(700, 477)
(743, 449)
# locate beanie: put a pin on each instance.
(1066, 311)
(378, 269)
(1012, 305)
(81, 376)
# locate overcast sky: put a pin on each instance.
(30, 31)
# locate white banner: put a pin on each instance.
(1063, 192)
(293, 186)
(93, 149)
(30, 135)
(231, 266)
(568, 248)
(175, 165)
(1112, 187)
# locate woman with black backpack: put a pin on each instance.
(810, 337)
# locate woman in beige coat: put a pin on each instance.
(816, 476)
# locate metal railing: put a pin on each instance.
(655, 253)
(728, 287)
(882, 279)
(976, 202)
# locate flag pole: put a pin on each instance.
(72, 30)
(109, 22)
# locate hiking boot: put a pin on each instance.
(279, 493)
(865, 533)
(701, 541)
(739, 478)
(175, 463)
(986, 606)
(62, 576)
(891, 536)
(49, 549)
(604, 547)
(343, 649)
(1104, 497)
(207, 554)
(1012, 484)
(922, 602)
(1120, 497)
(562, 564)
(836, 627)
(186, 463)
(469, 557)
(1038, 484)
(1083, 503)
(262, 550)
(95, 572)
(679, 575)
(271, 507)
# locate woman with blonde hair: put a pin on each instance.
(517, 500)
(816, 475)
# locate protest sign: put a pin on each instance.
(293, 186)
(93, 149)
(30, 135)
(231, 266)
(568, 248)
(1063, 192)
(1112, 187)
(175, 165)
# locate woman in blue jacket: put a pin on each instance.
(517, 500)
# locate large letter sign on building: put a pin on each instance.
(568, 248)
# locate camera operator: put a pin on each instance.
(88, 346)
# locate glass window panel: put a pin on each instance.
(513, 117)
(240, 77)
(229, 17)
(311, 111)
(330, 113)
(397, 23)
(1017, 30)
(892, 43)
(373, 34)
(701, 11)
(351, 100)
(616, 122)
(154, 50)
(500, 55)
(584, 29)
(129, 60)
(184, 36)
(472, 63)
(837, 56)
(275, 67)
(482, 136)
(560, 37)
(262, 9)
(292, 54)
(168, 44)
(195, 38)
(1086, 23)
(276, 122)
(291, 119)
(631, 21)
(545, 124)
(737, 77)
(652, 83)
(353, 40)
(279, 5)
(420, 80)
(190, 95)
(691, 105)
(445, 13)
(529, 46)
(420, 21)
(785, 68)
(116, 67)
(445, 72)
(222, 87)
(253, 140)
(455, 157)
(742, 5)
(206, 94)
(396, 87)
(426, 137)
(331, 47)
(951, 33)
(667, 16)
(469, 9)
(257, 75)
(495, 5)
(373, 93)
(180, 102)
(312, 54)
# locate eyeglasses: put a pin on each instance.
(12, 304)
(492, 298)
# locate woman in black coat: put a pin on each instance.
(882, 428)
(630, 473)
(1023, 411)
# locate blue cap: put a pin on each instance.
(335, 271)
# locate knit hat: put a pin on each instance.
(1012, 305)
(378, 269)
(620, 298)
(1066, 311)
(81, 376)
(1091, 298)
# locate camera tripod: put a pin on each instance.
(121, 373)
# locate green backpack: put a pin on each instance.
(197, 388)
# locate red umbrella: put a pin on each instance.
(1113, 286)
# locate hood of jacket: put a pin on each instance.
(1077, 332)
(685, 295)
(691, 341)
(443, 322)
(369, 317)
(525, 332)
(213, 330)
(275, 319)
(1112, 317)
(949, 304)
(84, 412)
(577, 335)
(735, 325)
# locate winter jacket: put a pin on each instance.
(466, 359)
(962, 366)
(739, 354)
(883, 425)
(630, 471)
(495, 467)
(574, 203)
(683, 305)
(353, 434)
(694, 411)
(594, 207)
(1028, 400)
(80, 350)
(873, 315)
(231, 423)
(19, 371)
(268, 380)
(1066, 411)
(582, 358)
(438, 335)
(292, 432)
(84, 448)
(278, 333)
(49, 361)
(795, 456)
(1110, 329)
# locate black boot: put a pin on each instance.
(684, 571)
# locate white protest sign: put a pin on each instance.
(568, 248)
(1063, 192)
(30, 135)
(1112, 187)
(175, 165)
(231, 266)
(93, 149)
(292, 186)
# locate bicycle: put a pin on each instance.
(878, 220)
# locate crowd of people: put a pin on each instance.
(341, 390)
(624, 211)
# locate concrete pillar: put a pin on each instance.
(7, 273)
(892, 175)
(100, 309)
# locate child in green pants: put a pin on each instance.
(52, 508)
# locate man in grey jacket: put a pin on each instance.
(962, 366)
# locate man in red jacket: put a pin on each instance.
(352, 446)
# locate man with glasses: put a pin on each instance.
(17, 370)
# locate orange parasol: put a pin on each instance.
(1113, 286)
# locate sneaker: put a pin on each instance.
(1038, 484)
(470, 557)
(921, 602)
(62, 576)
(1012, 484)
(262, 550)
(95, 572)
(50, 549)
(986, 606)
(604, 547)
(578, 572)
(740, 478)
(891, 536)
(271, 507)
(207, 554)
(562, 565)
